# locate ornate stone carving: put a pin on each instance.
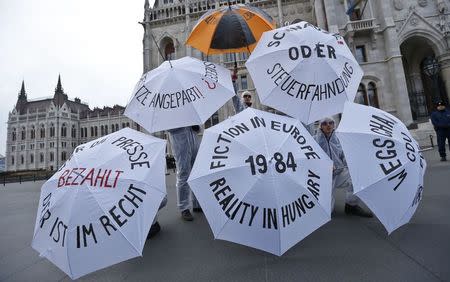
(422, 3)
(398, 5)
(414, 21)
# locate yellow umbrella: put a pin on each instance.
(230, 29)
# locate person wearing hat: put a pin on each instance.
(328, 141)
(441, 122)
(247, 97)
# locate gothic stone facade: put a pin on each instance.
(390, 39)
(42, 133)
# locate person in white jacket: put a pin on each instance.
(327, 139)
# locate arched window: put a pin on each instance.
(74, 131)
(106, 130)
(32, 132)
(128, 124)
(24, 133)
(63, 130)
(169, 50)
(112, 128)
(14, 134)
(92, 131)
(123, 125)
(42, 131)
(117, 127)
(31, 158)
(372, 95)
(361, 95)
(52, 130)
(95, 131)
(41, 157)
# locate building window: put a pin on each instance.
(32, 132)
(12, 160)
(13, 148)
(112, 128)
(22, 159)
(117, 127)
(106, 130)
(74, 131)
(138, 127)
(24, 133)
(123, 125)
(74, 144)
(95, 131)
(41, 145)
(128, 124)
(372, 95)
(63, 144)
(360, 54)
(102, 130)
(52, 157)
(244, 85)
(63, 156)
(63, 130)
(14, 135)
(22, 147)
(52, 144)
(42, 131)
(361, 96)
(41, 157)
(31, 146)
(52, 130)
(31, 158)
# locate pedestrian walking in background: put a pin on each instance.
(327, 139)
(441, 122)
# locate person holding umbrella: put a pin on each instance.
(185, 144)
(441, 122)
(341, 178)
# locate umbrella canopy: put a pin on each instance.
(179, 93)
(230, 29)
(384, 161)
(262, 181)
(97, 209)
(304, 71)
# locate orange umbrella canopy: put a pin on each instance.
(230, 29)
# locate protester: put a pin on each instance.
(341, 178)
(247, 97)
(441, 122)
(185, 143)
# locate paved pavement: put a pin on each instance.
(345, 249)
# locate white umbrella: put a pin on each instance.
(179, 93)
(262, 181)
(384, 162)
(97, 209)
(304, 71)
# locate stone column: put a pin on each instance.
(188, 29)
(280, 13)
(319, 11)
(444, 62)
(395, 66)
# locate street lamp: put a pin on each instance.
(431, 68)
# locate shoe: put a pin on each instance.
(357, 210)
(197, 210)
(443, 159)
(153, 230)
(186, 215)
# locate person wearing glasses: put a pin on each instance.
(327, 139)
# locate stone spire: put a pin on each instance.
(59, 88)
(22, 93)
(60, 97)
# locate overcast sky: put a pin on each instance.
(96, 46)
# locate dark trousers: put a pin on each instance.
(442, 135)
